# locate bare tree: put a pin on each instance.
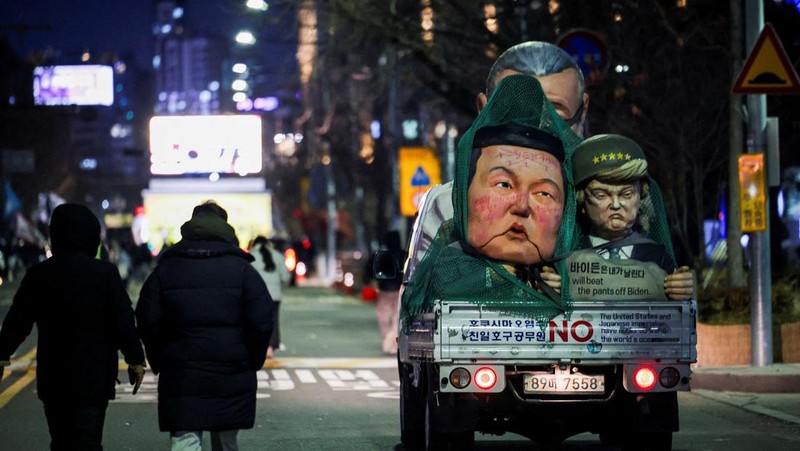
(671, 93)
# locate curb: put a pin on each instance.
(752, 383)
(747, 402)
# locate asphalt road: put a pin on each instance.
(332, 389)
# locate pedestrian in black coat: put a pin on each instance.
(205, 317)
(84, 316)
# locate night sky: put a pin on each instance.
(120, 26)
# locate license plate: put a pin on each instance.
(563, 383)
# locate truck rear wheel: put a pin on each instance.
(442, 441)
(444, 416)
(412, 408)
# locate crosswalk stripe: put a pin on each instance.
(305, 376)
(331, 362)
(336, 372)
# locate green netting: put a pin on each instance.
(447, 271)
(653, 219)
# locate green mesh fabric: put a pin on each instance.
(658, 228)
(653, 219)
(446, 271)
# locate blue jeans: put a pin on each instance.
(193, 440)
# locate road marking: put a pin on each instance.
(331, 362)
(278, 379)
(384, 395)
(348, 380)
(25, 360)
(30, 374)
(339, 374)
(148, 391)
(17, 387)
(305, 376)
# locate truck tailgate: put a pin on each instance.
(596, 332)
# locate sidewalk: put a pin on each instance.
(772, 390)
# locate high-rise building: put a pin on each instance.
(187, 67)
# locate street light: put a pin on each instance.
(245, 37)
(239, 85)
(259, 5)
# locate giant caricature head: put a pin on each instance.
(510, 187)
(516, 193)
(513, 206)
(561, 78)
(610, 174)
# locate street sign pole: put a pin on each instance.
(760, 266)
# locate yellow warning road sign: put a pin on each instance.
(767, 69)
(752, 192)
(419, 171)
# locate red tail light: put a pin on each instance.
(485, 378)
(645, 378)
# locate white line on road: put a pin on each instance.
(332, 362)
(305, 376)
(284, 379)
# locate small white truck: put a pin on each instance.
(607, 367)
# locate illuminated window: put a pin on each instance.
(410, 129)
(490, 14)
(88, 164)
(426, 22)
(307, 37)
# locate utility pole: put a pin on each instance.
(760, 267)
(733, 215)
(393, 120)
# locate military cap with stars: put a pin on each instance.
(602, 153)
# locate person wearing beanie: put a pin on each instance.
(206, 319)
(84, 317)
